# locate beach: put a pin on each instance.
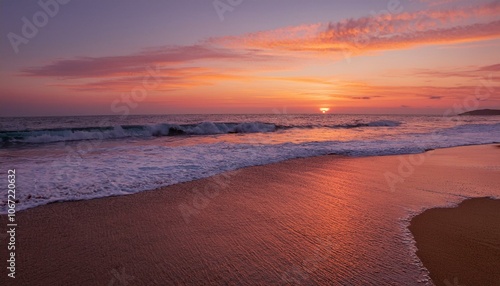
(327, 220)
(241, 142)
(461, 244)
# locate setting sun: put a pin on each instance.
(324, 109)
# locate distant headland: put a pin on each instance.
(482, 112)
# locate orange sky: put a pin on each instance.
(411, 57)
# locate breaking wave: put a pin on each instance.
(158, 130)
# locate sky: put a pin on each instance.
(95, 57)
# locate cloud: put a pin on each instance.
(351, 91)
(491, 68)
(246, 56)
(471, 72)
(438, 2)
(351, 36)
(176, 66)
(95, 67)
(379, 32)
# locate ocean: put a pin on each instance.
(75, 158)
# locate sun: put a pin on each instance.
(324, 109)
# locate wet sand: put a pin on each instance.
(315, 221)
(461, 244)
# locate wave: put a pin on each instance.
(76, 174)
(158, 130)
(378, 123)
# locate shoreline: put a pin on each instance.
(326, 219)
(426, 151)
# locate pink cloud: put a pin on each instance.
(379, 32)
(234, 58)
(471, 72)
(88, 67)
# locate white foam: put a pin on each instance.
(164, 129)
(127, 167)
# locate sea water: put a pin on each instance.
(74, 158)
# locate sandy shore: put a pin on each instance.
(461, 244)
(316, 221)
